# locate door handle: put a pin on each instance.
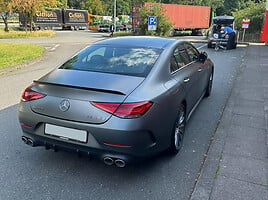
(200, 70)
(186, 80)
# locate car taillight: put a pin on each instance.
(29, 95)
(125, 110)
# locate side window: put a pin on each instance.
(184, 55)
(178, 58)
(176, 61)
(192, 52)
(173, 64)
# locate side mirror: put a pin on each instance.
(203, 56)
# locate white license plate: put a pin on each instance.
(66, 133)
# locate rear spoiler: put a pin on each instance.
(79, 87)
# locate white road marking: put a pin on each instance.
(55, 47)
(201, 46)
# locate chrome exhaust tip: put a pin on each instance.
(24, 139)
(108, 161)
(30, 142)
(120, 163)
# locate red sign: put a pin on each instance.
(245, 23)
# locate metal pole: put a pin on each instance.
(114, 15)
(243, 38)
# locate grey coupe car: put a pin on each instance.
(120, 99)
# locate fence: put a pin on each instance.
(249, 37)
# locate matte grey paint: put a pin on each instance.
(147, 135)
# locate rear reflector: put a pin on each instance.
(117, 145)
(125, 110)
(29, 95)
(26, 125)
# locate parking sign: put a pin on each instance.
(152, 23)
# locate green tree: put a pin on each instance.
(94, 7)
(123, 7)
(214, 4)
(62, 4)
(230, 6)
(163, 25)
(76, 4)
(5, 10)
(29, 7)
(254, 12)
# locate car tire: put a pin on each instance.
(209, 85)
(209, 45)
(178, 131)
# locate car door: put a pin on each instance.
(201, 68)
(185, 74)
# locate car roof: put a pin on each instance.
(139, 41)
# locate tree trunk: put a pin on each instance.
(31, 25)
(6, 23)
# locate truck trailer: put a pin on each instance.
(183, 17)
(71, 19)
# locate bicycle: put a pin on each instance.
(219, 45)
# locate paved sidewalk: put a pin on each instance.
(237, 162)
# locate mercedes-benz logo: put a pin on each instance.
(64, 105)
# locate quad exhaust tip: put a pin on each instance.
(108, 161)
(28, 141)
(24, 139)
(118, 162)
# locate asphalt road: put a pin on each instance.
(33, 173)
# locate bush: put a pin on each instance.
(164, 27)
(254, 12)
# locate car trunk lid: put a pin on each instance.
(69, 93)
(223, 20)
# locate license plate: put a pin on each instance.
(66, 133)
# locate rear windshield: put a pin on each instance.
(115, 60)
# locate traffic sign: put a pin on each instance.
(245, 23)
(152, 23)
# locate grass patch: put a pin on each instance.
(24, 34)
(12, 54)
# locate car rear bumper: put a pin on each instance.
(108, 139)
(57, 145)
(214, 41)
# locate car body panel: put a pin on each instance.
(106, 133)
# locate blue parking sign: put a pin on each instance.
(152, 23)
